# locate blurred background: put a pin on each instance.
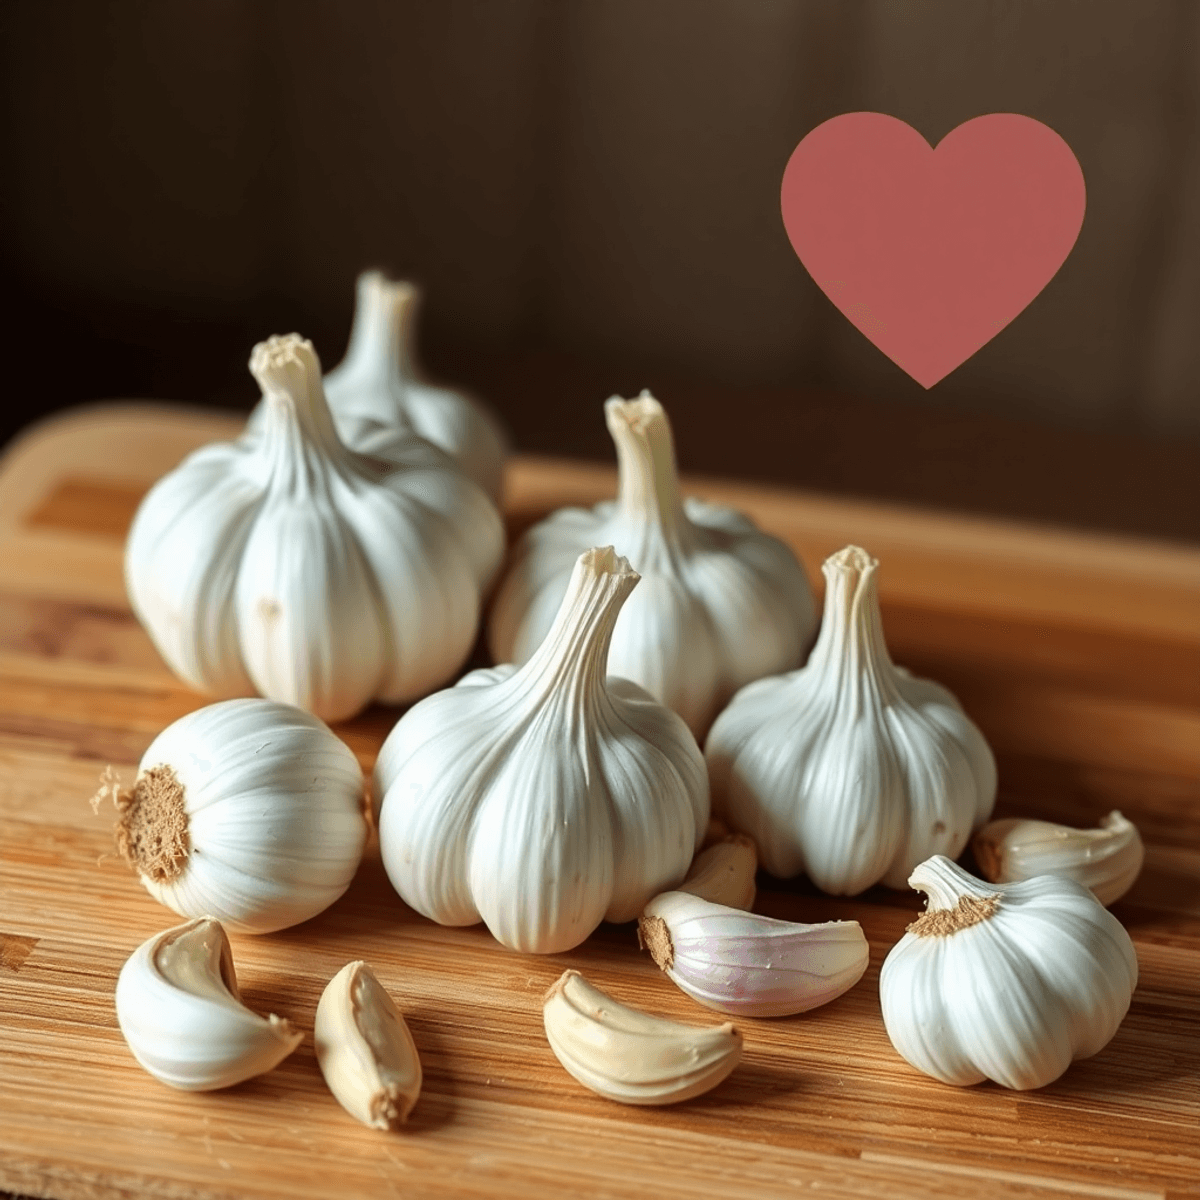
(589, 194)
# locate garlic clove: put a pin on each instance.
(365, 1049)
(1107, 860)
(179, 1008)
(749, 965)
(724, 872)
(630, 1056)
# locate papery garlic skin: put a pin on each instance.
(365, 1049)
(179, 1008)
(720, 603)
(850, 769)
(629, 1056)
(724, 873)
(546, 798)
(287, 564)
(1107, 860)
(1007, 983)
(749, 965)
(260, 809)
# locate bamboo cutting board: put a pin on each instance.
(1078, 656)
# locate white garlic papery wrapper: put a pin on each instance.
(1107, 860)
(850, 769)
(749, 965)
(546, 798)
(287, 564)
(179, 1008)
(720, 603)
(248, 811)
(1007, 983)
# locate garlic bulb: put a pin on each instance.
(850, 769)
(747, 965)
(724, 873)
(1107, 860)
(720, 602)
(180, 1011)
(544, 799)
(365, 1050)
(248, 811)
(629, 1056)
(287, 564)
(1011, 984)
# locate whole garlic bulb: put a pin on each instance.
(850, 769)
(179, 1008)
(1107, 860)
(289, 565)
(378, 386)
(720, 603)
(1011, 984)
(248, 811)
(544, 799)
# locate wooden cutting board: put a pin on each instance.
(1078, 656)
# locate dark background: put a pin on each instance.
(588, 191)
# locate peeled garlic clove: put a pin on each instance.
(1011, 984)
(180, 1011)
(747, 965)
(365, 1049)
(1107, 860)
(630, 1056)
(724, 873)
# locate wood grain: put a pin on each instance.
(1079, 657)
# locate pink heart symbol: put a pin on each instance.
(930, 253)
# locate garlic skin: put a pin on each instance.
(1010, 984)
(248, 811)
(1107, 860)
(850, 769)
(289, 565)
(721, 603)
(748, 965)
(365, 1050)
(179, 1008)
(629, 1056)
(543, 799)
(724, 873)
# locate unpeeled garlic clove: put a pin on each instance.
(749, 965)
(1107, 860)
(180, 1011)
(365, 1049)
(724, 872)
(630, 1056)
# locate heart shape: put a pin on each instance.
(928, 252)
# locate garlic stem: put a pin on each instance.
(299, 442)
(850, 646)
(956, 901)
(381, 336)
(648, 480)
(571, 661)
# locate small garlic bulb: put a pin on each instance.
(850, 769)
(1107, 860)
(287, 564)
(721, 603)
(546, 798)
(378, 386)
(748, 965)
(248, 811)
(1011, 984)
(179, 1008)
